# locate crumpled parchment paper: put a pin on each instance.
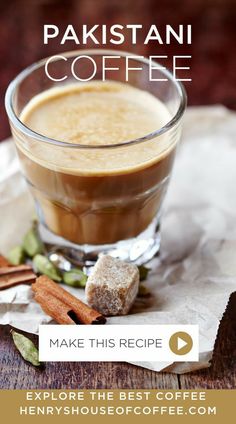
(192, 281)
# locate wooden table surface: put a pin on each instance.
(214, 81)
(15, 373)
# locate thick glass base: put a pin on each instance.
(138, 250)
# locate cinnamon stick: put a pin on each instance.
(62, 306)
(13, 275)
(4, 262)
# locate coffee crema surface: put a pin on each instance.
(95, 113)
(96, 195)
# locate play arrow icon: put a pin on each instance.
(180, 343)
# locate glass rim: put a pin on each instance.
(36, 65)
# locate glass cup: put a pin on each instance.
(98, 208)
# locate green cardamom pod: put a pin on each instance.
(143, 291)
(75, 278)
(143, 272)
(16, 255)
(32, 243)
(26, 348)
(44, 266)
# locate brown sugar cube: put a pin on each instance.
(112, 286)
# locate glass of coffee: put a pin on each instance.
(97, 152)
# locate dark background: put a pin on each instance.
(213, 22)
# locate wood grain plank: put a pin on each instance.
(15, 373)
(222, 373)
